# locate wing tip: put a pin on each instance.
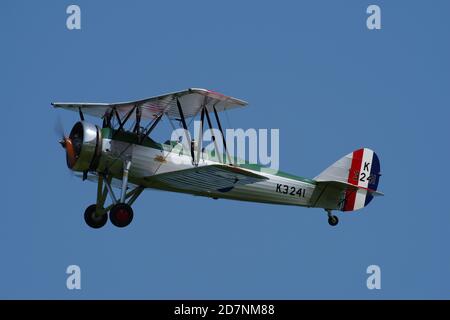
(236, 101)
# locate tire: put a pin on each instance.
(93, 221)
(333, 221)
(121, 215)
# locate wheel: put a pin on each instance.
(121, 215)
(92, 220)
(333, 220)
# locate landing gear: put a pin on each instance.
(120, 211)
(332, 219)
(121, 215)
(93, 218)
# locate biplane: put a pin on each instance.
(122, 158)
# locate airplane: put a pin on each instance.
(126, 157)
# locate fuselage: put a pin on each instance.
(150, 159)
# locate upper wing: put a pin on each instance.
(191, 100)
(210, 178)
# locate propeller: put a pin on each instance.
(66, 143)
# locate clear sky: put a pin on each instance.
(312, 69)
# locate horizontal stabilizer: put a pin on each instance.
(352, 187)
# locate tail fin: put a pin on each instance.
(355, 177)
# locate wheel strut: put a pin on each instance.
(120, 211)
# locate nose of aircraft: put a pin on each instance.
(67, 144)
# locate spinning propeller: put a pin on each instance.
(66, 143)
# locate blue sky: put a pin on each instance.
(310, 68)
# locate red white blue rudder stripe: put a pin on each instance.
(361, 169)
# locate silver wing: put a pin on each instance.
(191, 101)
(210, 178)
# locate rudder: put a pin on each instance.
(361, 169)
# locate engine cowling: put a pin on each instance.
(83, 147)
